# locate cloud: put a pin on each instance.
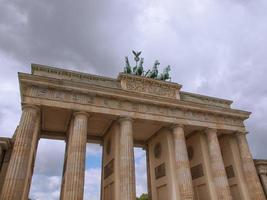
(50, 157)
(46, 181)
(48, 187)
(92, 184)
(10, 97)
(45, 187)
(140, 171)
(93, 150)
(51, 31)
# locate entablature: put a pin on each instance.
(71, 94)
(135, 86)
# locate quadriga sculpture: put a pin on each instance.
(139, 70)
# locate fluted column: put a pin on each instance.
(127, 169)
(73, 187)
(182, 164)
(217, 166)
(18, 175)
(263, 178)
(255, 188)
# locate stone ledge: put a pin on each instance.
(198, 98)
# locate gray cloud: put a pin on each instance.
(50, 157)
(88, 34)
(216, 48)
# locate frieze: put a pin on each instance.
(149, 86)
(91, 99)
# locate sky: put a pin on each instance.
(214, 47)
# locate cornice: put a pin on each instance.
(65, 72)
(207, 98)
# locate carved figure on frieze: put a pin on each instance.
(165, 74)
(127, 68)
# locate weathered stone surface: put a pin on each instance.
(255, 188)
(73, 186)
(261, 166)
(127, 169)
(19, 172)
(217, 166)
(182, 164)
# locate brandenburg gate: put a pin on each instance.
(196, 145)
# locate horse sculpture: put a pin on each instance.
(138, 70)
(154, 72)
(165, 74)
(127, 68)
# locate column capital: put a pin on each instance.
(31, 106)
(125, 118)
(81, 113)
(238, 133)
(211, 130)
(173, 126)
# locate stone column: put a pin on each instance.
(73, 187)
(182, 164)
(217, 166)
(263, 178)
(240, 177)
(127, 169)
(18, 175)
(255, 188)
